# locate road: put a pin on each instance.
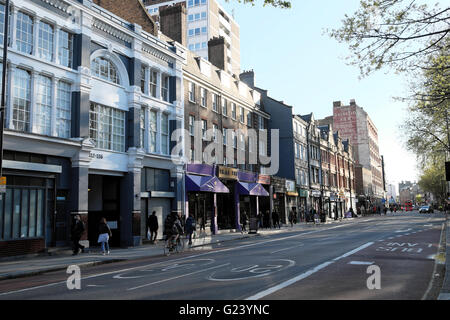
(380, 257)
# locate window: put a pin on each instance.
(242, 141)
(191, 92)
(241, 114)
(164, 133)
(204, 128)
(144, 80)
(24, 33)
(2, 22)
(21, 100)
(234, 138)
(65, 48)
(203, 97)
(43, 108)
(215, 130)
(165, 87)
(261, 123)
(142, 128)
(225, 138)
(153, 83)
(45, 41)
(224, 107)
(191, 125)
(107, 127)
(233, 111)
(249, 119)
(215, 98)
(63, 110)
(153, 131)
(104, 69)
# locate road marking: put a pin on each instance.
(302, 276)
(361, 263)
(300, 245)
(403, 230)
(177, 277)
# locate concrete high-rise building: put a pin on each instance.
(206, 19)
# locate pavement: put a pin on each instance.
(445, 256)
(61, 258)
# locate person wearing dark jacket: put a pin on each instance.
(153, 226)
(190, 228)
(76, 233)
(104, 235)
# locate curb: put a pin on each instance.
(445, 290)
(25, 274)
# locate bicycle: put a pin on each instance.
(170, 247)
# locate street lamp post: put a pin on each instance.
(3, 100)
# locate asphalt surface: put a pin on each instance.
(330, 262)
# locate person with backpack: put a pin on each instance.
(244, 221)
(76, 233)
(153, 226)
(190, 228)
(104, 235)
(172, 229)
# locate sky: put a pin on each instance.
(297, 62)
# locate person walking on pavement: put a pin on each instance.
(153, 226)
(244, 221)
(104, 235)
(190, 228)
(291, 217)
(76, 233)
(385, 210)
(276, 219)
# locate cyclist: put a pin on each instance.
(173, 229)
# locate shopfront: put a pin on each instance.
(202, 187)
(303, 203)
(226, 203)
(279, 198)
(292, 199)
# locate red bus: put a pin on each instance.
(408, 206)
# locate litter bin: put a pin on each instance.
(253, 228)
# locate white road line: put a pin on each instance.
(361, 263)
(302, 276)
(177, 277)
(300, 245)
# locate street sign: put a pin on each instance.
(2, 184)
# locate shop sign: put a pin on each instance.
(228, 173)
(247, 176)
(292, 194)
(201, 169)
(263, 179)
(315, 193)
(290, 185)
(303, 193)
(2, 184)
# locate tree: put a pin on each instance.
(400, 34)
(433, 180)
(274, 3)
(427, 126)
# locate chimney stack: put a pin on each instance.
(217, 53)
(248, 77)
(337, 104)
(352, 102)
(172, 20)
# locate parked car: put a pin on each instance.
(426, 209)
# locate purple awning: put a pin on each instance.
(205, 184)
(253, 189)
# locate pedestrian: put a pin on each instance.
(104, 235)
(190, 228)
(260, 219)
(358, 211)
(76, 233)
(266, 219)
(379, 210)
(385, 210)
(316, 217)
(352, 212)
(291, 217)
(153, 226)
(244, 221)
(294, 215)
(276, 219)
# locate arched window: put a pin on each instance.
(105, 69)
